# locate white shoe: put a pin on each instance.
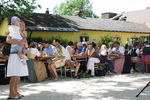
(25, 57)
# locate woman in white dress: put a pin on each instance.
(15, 68)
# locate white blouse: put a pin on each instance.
(120, 50)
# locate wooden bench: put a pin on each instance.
(100, 67)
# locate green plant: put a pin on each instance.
(35, 39)
(106, 39)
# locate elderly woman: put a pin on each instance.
(119, 57)
(104, 57)
(93, 56)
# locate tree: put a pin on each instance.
(71, 6)
(10, 7)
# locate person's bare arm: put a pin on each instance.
(11, 41)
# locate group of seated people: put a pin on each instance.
(113, 56)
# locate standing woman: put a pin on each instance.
(16, 68)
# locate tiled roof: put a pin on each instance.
(139, 16)
(62, 21)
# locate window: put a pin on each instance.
(84, 38)
(117, 38)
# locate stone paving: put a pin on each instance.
(116, 87)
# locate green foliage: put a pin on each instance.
(35, 39)
(63, 41)
(10, 7)
(106, 39)
(71, 6)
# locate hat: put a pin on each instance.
(14, 19)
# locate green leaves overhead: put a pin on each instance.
(10, 7)
(70, 7)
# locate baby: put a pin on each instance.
(58, 54)
(15, 32)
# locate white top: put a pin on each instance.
(120, 49)
(14, 32)
(137, 51)
(103, 52)
(34, 51)
(68, 57)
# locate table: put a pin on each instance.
(83, 62)
(45, 58)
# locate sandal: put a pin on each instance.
(16, 98)
(21, 95)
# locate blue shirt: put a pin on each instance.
(81, 50)
(49, 50)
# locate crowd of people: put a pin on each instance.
(112, 56)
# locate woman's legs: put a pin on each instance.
(16, 85)
(77, 69)
(13, 86)
(54, 70)
(51, 71)
(90, 65)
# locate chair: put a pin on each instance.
(61, 71)
(70, 69)
(3, 65)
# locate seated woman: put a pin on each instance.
(32, 51)
(93, 56)
(104, 57)
(118, 61)
(69, 62)
(57, 62)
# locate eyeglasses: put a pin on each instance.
(89, 44)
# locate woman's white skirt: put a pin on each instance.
(16, 67)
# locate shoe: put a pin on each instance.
(15, 98)
(25, 57)
(76, 77)
(21, 95)
(92, 76)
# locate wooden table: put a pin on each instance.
(45, 58)
(3, 59)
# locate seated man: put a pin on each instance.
(48, 48)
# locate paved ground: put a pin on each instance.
(117, 87)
